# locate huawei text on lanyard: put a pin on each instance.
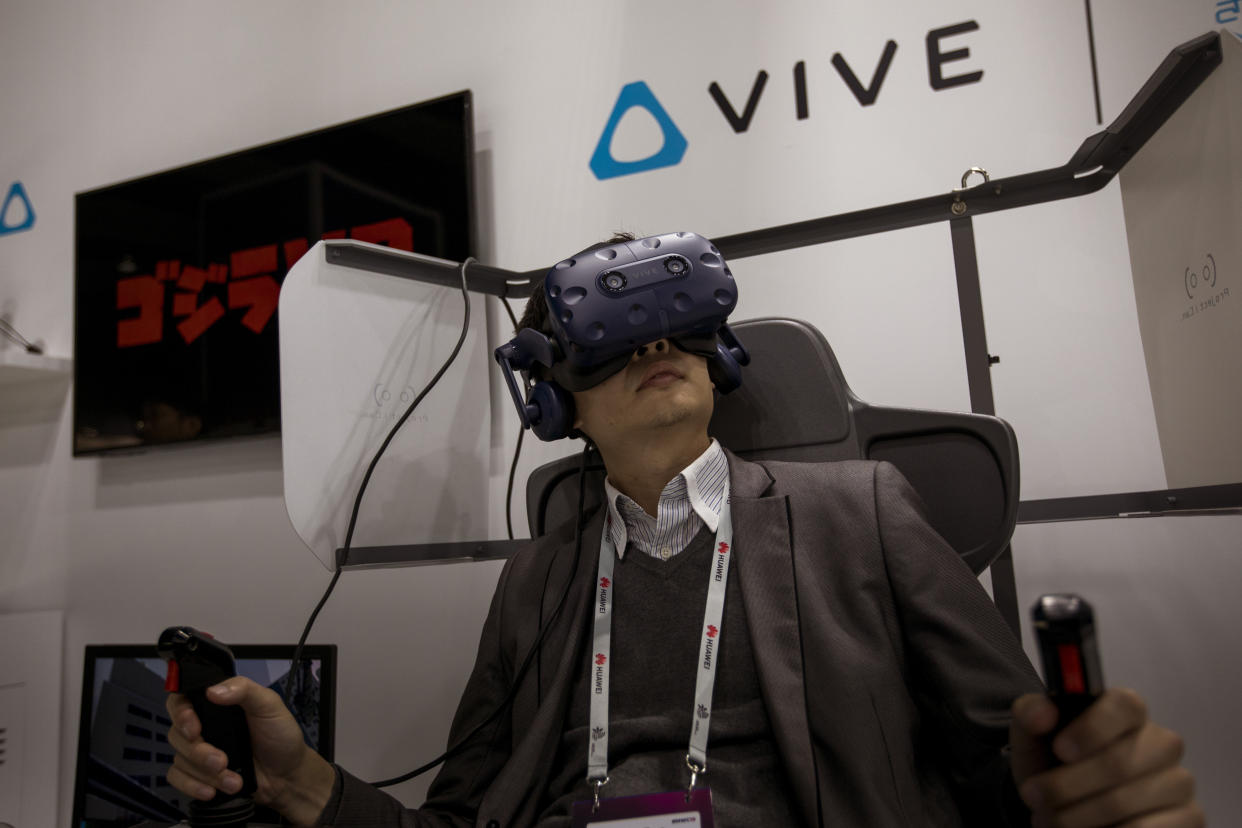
(709, 654)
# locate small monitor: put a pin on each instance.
(123, 750)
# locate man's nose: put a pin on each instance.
(659, 346)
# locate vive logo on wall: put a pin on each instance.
(604, 165)
(638, 95)
(16, 214)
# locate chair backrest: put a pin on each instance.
(794, 404)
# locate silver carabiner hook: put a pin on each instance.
(972, 171)
(695, 770)
(958, 207)
(598, 783)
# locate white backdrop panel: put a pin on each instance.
(356, 350)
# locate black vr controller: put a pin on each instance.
(1065, 627)
(606, 302)
(197, 661)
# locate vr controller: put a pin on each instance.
(1065, 627)
(196, 661)
(605, 303)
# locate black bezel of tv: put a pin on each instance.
(325, 654)
(413, 164)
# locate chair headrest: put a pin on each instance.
(793, 394)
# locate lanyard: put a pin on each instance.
(709, 654)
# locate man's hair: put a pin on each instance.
(536, 313)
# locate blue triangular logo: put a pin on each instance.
(16, 191)
(604, 165)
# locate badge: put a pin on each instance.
(662, 810)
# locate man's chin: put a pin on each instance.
(673, 413)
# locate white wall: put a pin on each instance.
(95, 93)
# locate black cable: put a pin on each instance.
(353, 517)
(534, 650)
(509, 308)
(517, 452)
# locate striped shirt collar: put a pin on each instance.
(691, 500)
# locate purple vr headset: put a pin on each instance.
(605, 303)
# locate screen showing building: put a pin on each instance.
(123, 750)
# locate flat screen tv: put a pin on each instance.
(178, 273)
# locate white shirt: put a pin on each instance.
(691, 500)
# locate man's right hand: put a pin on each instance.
(292, 779)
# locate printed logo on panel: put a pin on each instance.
(1200, 284)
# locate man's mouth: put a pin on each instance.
(660, 375)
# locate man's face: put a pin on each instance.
(660, 387)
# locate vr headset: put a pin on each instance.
(608, 301)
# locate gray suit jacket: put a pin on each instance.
(885, 668)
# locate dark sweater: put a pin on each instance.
(655, 647)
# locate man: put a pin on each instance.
(862, 675)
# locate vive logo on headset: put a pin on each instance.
(637, 94)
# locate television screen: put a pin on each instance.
(178, 273)
(123, 750)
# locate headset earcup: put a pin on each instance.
(724, 371)
(556, 411)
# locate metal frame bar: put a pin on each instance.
(494, 281)
(979, 380)
(1196, 500)
(420, 554)
(1098, 159)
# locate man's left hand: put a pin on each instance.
(1119, 768)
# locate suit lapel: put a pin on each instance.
(565, 637)
(538, 727)
(766, 573)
